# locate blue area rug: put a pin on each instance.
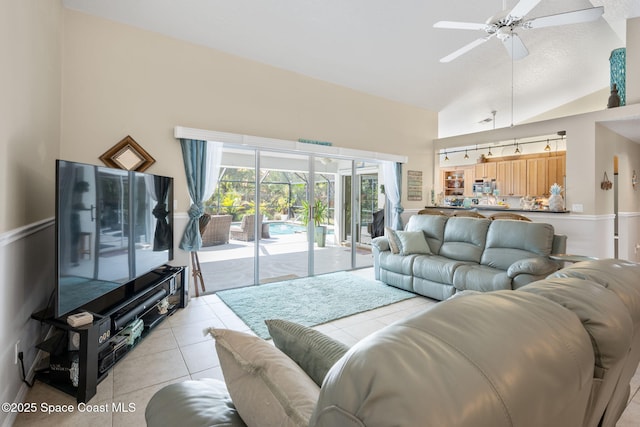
(309, 301)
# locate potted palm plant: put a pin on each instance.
(319, 211)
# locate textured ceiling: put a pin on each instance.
(390, 49)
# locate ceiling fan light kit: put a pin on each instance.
(503, 27)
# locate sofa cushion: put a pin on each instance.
(432, 226)
(464, 238)
(435, 268)
(267, 387)
(397, 263)
(392, 238)
(607, 322)
(481, 278)
(412, 242)
(465, 363)
(204, 402)
(511, 241)
(312, 350)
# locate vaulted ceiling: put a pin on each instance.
(390, 49)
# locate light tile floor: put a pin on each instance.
(178, 350)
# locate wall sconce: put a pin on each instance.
(634, 180)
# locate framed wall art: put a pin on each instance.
(129, 155)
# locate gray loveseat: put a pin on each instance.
(460, 253)
(557, 352)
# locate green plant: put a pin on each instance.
(319, 212)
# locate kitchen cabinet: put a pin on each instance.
(486, 171)
(543, 172)
(537, 176)
(527, 175)
(453, 182)
(511, 176)
(556, 170)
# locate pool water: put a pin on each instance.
(280, 228)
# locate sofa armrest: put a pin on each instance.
(538, 266)
(381, 243)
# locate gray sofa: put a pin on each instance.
(557, 352)
(467, 254)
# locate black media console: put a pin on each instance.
(79, 358)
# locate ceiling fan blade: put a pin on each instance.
(575, 17)
(514, 45)
(465, 49)
(523, 7)
(459, 25)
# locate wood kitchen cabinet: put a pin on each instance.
(486, 171)
(537, 176)
(543, 172)
(511, 176)
(516, 176)
(556, 170)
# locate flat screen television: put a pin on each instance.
(112, 226)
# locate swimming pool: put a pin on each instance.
(281, 228)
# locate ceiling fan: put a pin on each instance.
(503, 27)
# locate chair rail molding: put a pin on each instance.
(11, 236)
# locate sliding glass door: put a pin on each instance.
(283, 251)
(293, 215)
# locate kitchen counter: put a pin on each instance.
(496, 208)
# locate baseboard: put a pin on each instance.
(24, 388)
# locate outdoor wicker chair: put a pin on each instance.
(246, 230)
(216, 231)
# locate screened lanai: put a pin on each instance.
(308, 206)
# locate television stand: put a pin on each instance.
(80, 357)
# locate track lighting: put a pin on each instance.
(517, 148)
(446, 158)
(548, 147)
(466, 154)
(489, 154)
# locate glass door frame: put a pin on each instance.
(310, 197)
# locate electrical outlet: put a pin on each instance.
(577, 207)
(15, 355)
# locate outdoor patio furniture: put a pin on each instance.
(216, 232)
(246, 230)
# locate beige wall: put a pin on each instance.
(29, 109)
(613, 145)
(30, 36)
(121, 81)
(633, 61)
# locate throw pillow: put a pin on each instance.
(394, 244)
(413, 242)
(267, 388)
(312, 350)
